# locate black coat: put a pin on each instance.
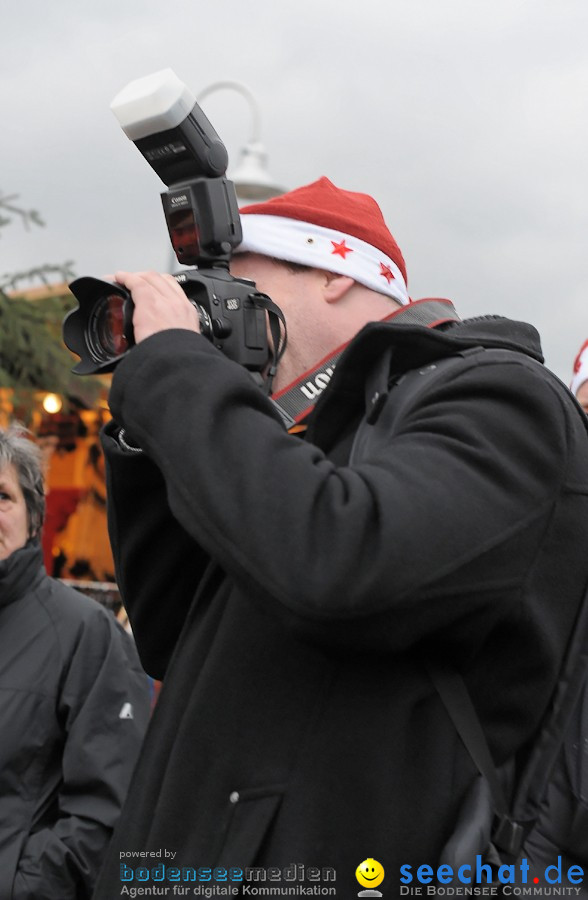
(287, 597)
(74, 706)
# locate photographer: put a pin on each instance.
(286, 587)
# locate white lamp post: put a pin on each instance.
(250, 176)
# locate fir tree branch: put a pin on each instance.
(28, 216)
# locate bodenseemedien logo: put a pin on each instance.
(370, 874)
(170, 879)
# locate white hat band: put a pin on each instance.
(322, 248)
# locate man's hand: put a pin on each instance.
(160, 303)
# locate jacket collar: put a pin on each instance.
(384, 349)
(417, 344)
(20, 572)
(296, 401)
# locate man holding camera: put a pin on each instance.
(288, 587)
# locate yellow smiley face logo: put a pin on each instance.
(370, 873)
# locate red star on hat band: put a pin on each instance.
(341, 249)
(386, 272)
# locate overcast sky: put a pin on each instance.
(468, 122)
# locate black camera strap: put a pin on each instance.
(279, 333)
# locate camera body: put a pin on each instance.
(230, 310)
(162, 118)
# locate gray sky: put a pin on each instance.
(466, 121)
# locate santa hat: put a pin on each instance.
(324, 227)
(580, 369)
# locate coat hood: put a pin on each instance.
(415, 344)
(416, 335)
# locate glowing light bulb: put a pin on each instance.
(52, 403)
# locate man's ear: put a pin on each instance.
(336, 286)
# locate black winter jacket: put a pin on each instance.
(287, 595)
(74, 706)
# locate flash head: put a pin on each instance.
(172, 133)
(160, 115)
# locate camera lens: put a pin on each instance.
(106, 334)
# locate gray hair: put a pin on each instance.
(18, 450)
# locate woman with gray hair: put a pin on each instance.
(74, 705)
(20, 459)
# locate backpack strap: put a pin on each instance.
(573, 677)
(532, 783)
(507, 834)
(512, 823)
(513, 820)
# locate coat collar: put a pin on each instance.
(382, 350)
(20, 572)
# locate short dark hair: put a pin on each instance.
(291, 266)
(18, 450)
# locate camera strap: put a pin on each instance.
(296, 401)
(279, 333)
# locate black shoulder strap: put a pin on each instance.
(512, 821)
(507, 834)
(512, 824)
(573, 678)
(533, 781)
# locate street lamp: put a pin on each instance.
(251, 179)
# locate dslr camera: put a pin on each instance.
(162, 118)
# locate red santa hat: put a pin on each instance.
(580, 369)
(324, 227)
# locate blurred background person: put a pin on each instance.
(579, 385)
(74, 705)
